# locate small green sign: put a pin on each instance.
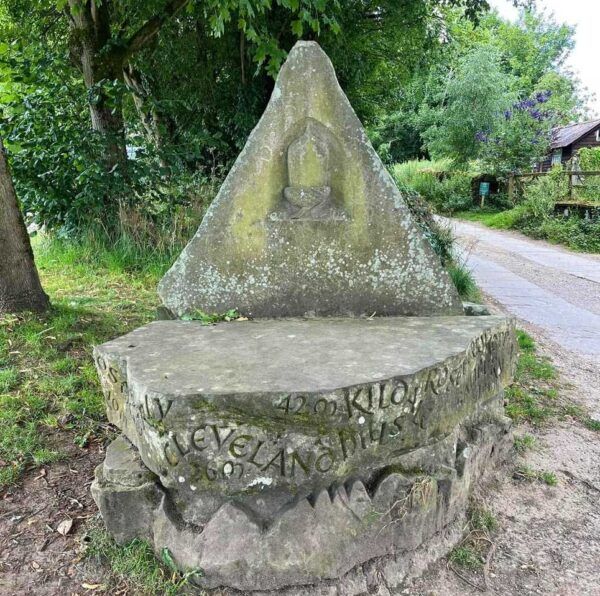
(484, 189)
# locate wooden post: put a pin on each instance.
(570, 174)
(511, 188)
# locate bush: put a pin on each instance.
(579, 234)
(445, 190)
(541, 196)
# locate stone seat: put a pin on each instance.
(257, 432)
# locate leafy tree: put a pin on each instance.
(181, 84)
(520, 138)
(469, 105)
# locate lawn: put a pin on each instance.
(48, 382)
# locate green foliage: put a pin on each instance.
(179, 128)
(524, 443)
(473, 98)
(134, 565)
(541, 195)
(483, 519)
(500, 220)
(532, 397)
(534, 216)
(480, 98)
(549, 478)
(520, 138)
(579, 234)
(464, 282)
(527, 473)
(465, 556)
(211, 319)
(444, 189)
(589, 158)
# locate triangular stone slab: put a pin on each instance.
(308, 221)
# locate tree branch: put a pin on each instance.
(151, 28)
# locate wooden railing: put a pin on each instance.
(514, 178)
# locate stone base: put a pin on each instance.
(283, 455)
(408, 524)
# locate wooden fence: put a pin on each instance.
(514, 180)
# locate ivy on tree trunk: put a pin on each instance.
(102, 57)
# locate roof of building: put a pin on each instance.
(564, 136)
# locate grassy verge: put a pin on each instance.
(500, 220)
(47, 378)
(534, 396)
(577, 234)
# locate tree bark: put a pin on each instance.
(102, 59)
(90, 25)
(20, 287)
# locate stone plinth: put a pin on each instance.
(274, 453)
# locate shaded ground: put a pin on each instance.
(35, 556)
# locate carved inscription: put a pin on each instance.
(115, 390)
(311, 435)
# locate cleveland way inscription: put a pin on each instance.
(322, 447)
(282, 439)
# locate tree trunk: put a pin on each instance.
(90, 24)
(20, 287)
(152, 120)
(102, 59)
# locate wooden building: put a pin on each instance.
(567, 140)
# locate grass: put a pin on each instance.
(465, 283)
(577, 234)
(524, 443)
(527, 473)
(534, 396)
(466, 556)
(500, 220)
(48, 382)
(483, 519)
(134, 567)
(407, 170)
(474, 549)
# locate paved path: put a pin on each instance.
(550, 287)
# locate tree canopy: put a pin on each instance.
(108, 104)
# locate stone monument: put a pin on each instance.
(333, 440)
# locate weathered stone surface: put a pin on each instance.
(308, 220)
(126, 492)
(317, 546)
(472, 309)
(292, 451)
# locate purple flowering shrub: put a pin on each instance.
(519, 138)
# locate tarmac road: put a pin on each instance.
(554, 289)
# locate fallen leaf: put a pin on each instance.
(64, 527)
(93, 586)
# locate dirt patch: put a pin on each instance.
(35, 557)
